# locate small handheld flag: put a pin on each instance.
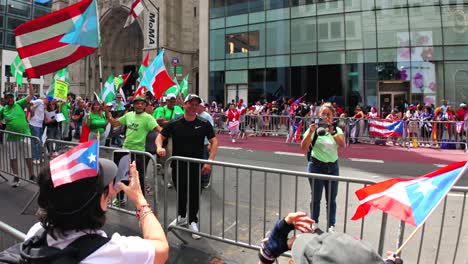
(410, 200)
(78, 163)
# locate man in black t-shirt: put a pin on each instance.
(188, 136)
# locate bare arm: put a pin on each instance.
(159, 145)
(214, 148)
(307, 140)
(31, 91)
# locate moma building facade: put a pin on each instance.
(355, 52)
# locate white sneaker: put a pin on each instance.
(179, 221)
(36, 162)
(169, 185)
(411, 145)
(194, 227)
(331, 229)
(233, 141)
(315, 226)
(15, 184)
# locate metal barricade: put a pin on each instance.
(16, 156)
(243, 202)
(9, 236)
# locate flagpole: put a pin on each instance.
(99, 47)
(397, 252)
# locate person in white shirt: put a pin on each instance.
(36, 124)
(72, 210)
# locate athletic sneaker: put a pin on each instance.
(179, 221)
(15, 184)
(194, 227)
(331, 229)
(206, 185)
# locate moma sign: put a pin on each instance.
(152, 30)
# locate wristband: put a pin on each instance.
(139, 209)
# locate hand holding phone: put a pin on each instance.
(122, 160)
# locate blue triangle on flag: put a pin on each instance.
(90, 156)
(85, 31)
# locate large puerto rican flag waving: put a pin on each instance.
(410, 200)
(386, 128)
(53, 41)
(78, 163)
(155, 78)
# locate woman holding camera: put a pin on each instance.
(322, 139)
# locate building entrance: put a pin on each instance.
(236, 92)
(392, 94)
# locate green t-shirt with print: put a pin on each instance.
(65, 110)
(168, 114)
(138, 127)
(97, 122)
(15, 119)
(326, 148)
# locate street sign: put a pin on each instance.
(176, 71)
(175, 61)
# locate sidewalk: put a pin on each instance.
(364, 151)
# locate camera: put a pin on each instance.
(322, 125)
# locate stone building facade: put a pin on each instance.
(123, 49)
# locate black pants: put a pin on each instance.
(187, 185)
(141, 164)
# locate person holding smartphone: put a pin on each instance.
(323, 143)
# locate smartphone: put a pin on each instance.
(122, 159)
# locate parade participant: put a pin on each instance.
(15, 121)
(96, 121)
(50, 121)
(323, 145)
(64, 108)
(36, 124)
(232, 122)
(242, 111)
(77, 117)
(77, 211)
(205, 178)
(188, 134)
(138, 123)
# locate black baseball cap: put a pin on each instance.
(190, 97)
(9, 93)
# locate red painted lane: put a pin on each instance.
(355, 151)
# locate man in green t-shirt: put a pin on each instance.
(139, 124)
(15, 120)
(163, 116)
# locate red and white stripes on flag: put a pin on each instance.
(39, 45)
(141, 91)
(136, 9)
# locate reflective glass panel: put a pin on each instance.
(217, 8)
(278, 40)
(360, 30)
(242, 42)
(19, 9)
(331, 32)
(425, 26)
(237, 7)
(392, 28)
(217, 46)
(455, 24)
(303, 35)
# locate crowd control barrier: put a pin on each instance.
(243, 202)
(9, 236)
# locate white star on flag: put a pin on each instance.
(92, 158)
(425, 187)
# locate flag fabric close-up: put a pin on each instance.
(155, 78)
(108, 91)
(136, 9)
(184, 86)
(143, 66)
(78, 163)
(173, 89)
(17, 70)
(410, 200)
(386, 128)
(53, 41)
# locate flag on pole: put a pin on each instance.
(184, 86)
(17, 70)
(173, 89)
(386, 128)
(108, 91)
(410, 200)
(124, 98)
(78, 163)
(62, 75)
(294, 105)
(121, 79)
(155, 78)
(141, 91)
(298, 133)
(144, 65)
(136, 9)
(51, 42)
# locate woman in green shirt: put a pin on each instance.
(97, 122)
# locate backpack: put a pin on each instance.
(309, 152)
(35, 250)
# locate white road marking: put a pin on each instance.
(289, 153)
(367, 160)
(229, 228)
(231, 148)
(440, 165)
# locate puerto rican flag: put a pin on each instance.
(53, 41)
(155, 78)
(298, 133)
(141, 91)
(410, 200)
(386, 128)
(136, 9)
(78, 163)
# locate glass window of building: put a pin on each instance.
(392, 28)
(217, 46)
(256, 5)
(425, 26)
(277, 34)
(242, 42)
(1, 22)
(329, 7)
(19, 9)
(2, 5)
(382, 4)
(275, 4)
(14, 22)
(303, 35)
(360, 30)
(331, 32)
(10, 39)
(359, 5)
(237, 7)
(301, 2)
(422, 2)
(217, 8)
(455, 24)
(39, 11)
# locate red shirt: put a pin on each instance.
(461, 114)
(233, 115)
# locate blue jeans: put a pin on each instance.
(77, 134)
(205, 179)
(317, 186)
(36, 145)
(102, 138)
